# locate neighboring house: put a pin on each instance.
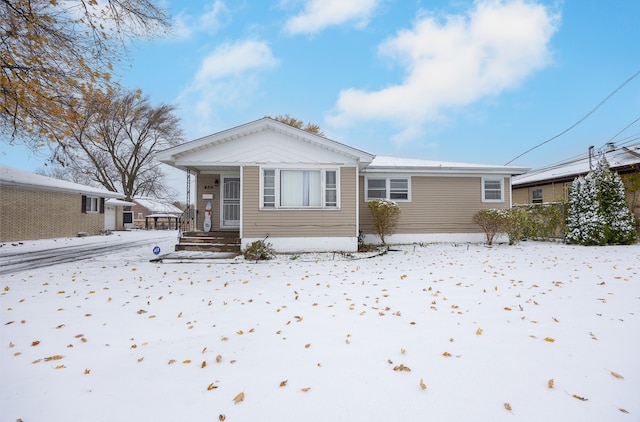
(551, 184)
(153, 213)
(39, 207)
(266, 179)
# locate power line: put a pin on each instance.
(579, 121)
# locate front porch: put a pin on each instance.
(212, 241)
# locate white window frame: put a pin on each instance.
(93, 204)
(323, 188)
(484, 191)
(388, 189)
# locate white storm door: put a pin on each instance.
(230, 202)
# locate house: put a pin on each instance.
(552, 183)
(39, 207)
(151, 213)
(266, 179)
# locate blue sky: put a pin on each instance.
(468, 81)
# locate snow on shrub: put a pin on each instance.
(385, 215)
(598, 211)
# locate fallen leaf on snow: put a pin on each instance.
(422, 384)
(550, 383)
(55, 357)
(575, 396)
(615, 374)
(240, 397)
(507, 406)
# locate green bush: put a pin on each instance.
(516, 222)
(545, 221)
(259, 250)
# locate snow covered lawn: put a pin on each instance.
(534, 332)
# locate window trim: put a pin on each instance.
(484, 191)
(387, 180)
(88, 202)
(537, 200)
(323, 188)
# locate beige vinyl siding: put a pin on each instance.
(551, 192)
(27, 214)
(438, 205)
(206, 185)
(257, 223)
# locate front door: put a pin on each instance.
(230, 202)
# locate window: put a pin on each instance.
(536, 196)
(295, 188)
(396, 189)
(269, 189)
(92, 204)
(492, 189)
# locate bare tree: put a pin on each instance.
(113, 138)
(53, 51)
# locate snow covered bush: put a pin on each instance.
(598, 211)
(491, 221)
(259, 250)
(385, 215)
(620, 226)
(585, 224)
(516, 223)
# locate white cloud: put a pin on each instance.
(454, 62)
(234, 59)
(215, 16)
(319, 14)
(227, 78)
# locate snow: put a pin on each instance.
(617, 158)
(138, 340)
(13, 177)
(157, 206)
(398, 163)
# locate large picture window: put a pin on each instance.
(300, 188)
(492, 189)
(394, 188)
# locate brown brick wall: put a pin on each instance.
(27, 214)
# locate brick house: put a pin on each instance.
(33, 206)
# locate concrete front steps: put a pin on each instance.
(213, 241)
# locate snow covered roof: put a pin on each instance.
(568, 170)
(156, 206)
(18, 178)
(381, 164)
(119, 203)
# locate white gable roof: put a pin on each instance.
(18, 178)
(261, 141)
(617, 158)
(385, 164)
